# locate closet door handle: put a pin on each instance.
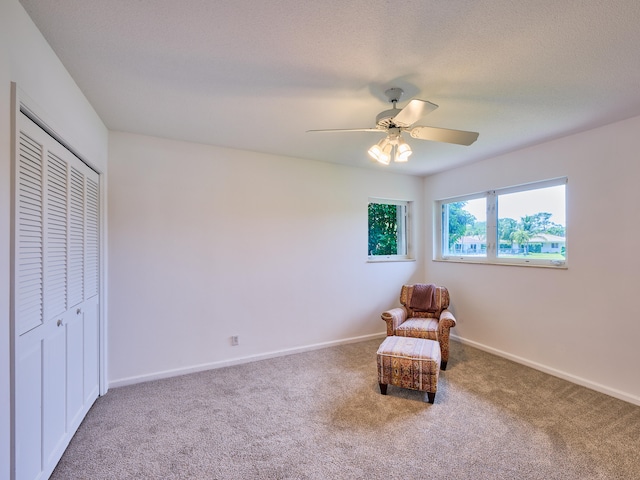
(59, 322)
(78, 311)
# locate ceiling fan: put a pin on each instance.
(397, 120)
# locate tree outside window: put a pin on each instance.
(388, 229)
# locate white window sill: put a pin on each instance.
(390, 258)
(510, 263)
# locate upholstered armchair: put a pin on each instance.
(423, 314)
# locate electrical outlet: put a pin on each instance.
(235, 340)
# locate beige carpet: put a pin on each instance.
(319, 415)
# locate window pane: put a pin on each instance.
(387, 229)
(532, 224)
(465, 227)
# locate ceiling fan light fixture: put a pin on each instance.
(385, 157)
(375, 152)
(403, 151)
(381, 151)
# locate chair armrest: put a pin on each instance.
(447, 319)
(394, 318)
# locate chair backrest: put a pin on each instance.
(442, 302)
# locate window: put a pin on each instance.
(522, 225)
(466, 234)
(389, 230)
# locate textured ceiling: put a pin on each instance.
(256, 75)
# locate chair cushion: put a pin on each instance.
(419, 328)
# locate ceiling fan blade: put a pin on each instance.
(446, 135)
(348, 130)
(414, 111)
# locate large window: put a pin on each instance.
(522, 225)
(389, 230)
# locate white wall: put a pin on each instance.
(25, 58)
(581, 323)
(208, 242)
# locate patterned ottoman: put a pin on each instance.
(409, 362)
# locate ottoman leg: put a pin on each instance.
(443, 366)
(431, 396)
(383, 388)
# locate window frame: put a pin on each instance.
(492, 255)
(404, 235)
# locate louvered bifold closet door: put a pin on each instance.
(56, 300)
(91, 306)
(28, 304)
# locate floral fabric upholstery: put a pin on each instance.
(407, 322)
(409, 362)
(419, 328)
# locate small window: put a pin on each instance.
(389, 230)
(522, 225)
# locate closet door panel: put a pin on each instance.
(75, 373)
(76, 237)
(90, 308)
(29, 235)
(55, 246)
(54, 425)
(28, 408)
(91, 349)
(91, 235)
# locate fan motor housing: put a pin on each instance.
(385, 119)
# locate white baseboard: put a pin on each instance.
(237, 361)
(552, 371)
(307, 348)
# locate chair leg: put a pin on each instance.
(443, 365)
(383, 388)
(431, 396)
